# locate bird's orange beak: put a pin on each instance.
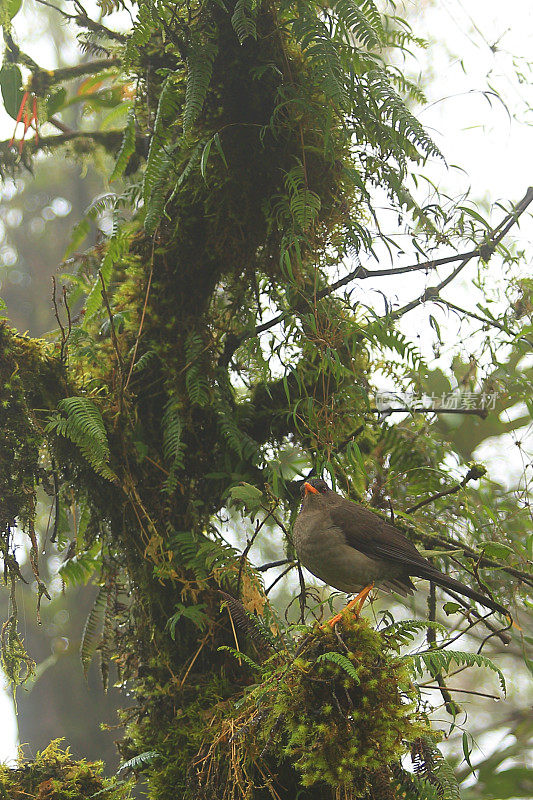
(310, 489)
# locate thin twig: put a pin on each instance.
(64, 336)
(473, 474)
(113, 338)
(280, 576)
(245, 552)
(272, 564)
(493, 238)
(464, 691)
(431, 638)
(149, 284)
(85, 22)
(472, 611)
(475, 412)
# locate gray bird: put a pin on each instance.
(352, 549)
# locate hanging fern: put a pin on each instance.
(195, 379)
(241, 444)
(200, 60)
(92, 631)
(430, 764)
(173, 445)
(149, 20)
(394, 109)
(160, 162)
(322, 53)
(243, 19)
(127, 148)
(359, 20)
(80, 421)
(304, 204)
(251, 625)
(161, 167)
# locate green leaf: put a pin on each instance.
(11, 87)
(195, 614)
(497, 550)
(247, 494)
(467, 750)
(127, 148)
(9, 10)
(54, 101)
(450, 608)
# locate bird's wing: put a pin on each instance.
(371, 535)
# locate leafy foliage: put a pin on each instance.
(436, 661)
(80, 421)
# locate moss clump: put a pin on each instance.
(346, 708)
(54, 775)
(329, 717)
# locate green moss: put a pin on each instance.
(54, 775)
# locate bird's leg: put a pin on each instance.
(357, 602)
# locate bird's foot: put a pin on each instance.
(356, 603)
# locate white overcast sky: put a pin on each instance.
(493, 149)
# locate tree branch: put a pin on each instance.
(42, 79)
(493, 239)
(484, 251)
(474, 473)
(84, 21)
(476, 412)
(111, 140)
(492, 322)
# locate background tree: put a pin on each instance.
(219, 357)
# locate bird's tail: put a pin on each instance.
(446, 582)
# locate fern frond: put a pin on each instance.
(195, 379)
(248, 623)
(430, 764)
(394, 109)
(148, 22)
(341, 661)
(361, 20)
(80, 421)
(144, 360)
(439, 661)
(199, 70)
(304, 204)
(127, 148)
(240, 656)
(237, 439)
(160, 166)
(91, 637)
(173, 445)
(140, 761)
(322, 53)
(117, 247)
(406, 630)
(243, 19)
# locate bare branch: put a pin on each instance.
(473, 474)
(493, 238)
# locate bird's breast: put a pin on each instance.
(322, 549)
